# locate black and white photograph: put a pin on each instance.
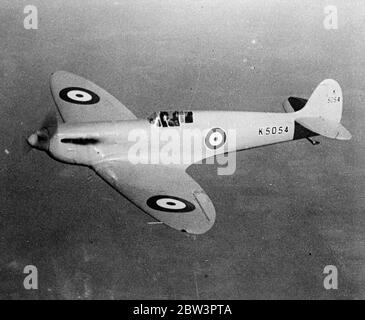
(203, 151)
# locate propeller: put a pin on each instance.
(50, 123)
(40, 139)
(25, 146)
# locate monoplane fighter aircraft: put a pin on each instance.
(100, 132)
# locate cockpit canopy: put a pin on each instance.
(170, 118)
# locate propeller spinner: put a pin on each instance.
(41, 138)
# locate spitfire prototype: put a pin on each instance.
(100, 132)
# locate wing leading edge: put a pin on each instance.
(80, 100)
(167, 193)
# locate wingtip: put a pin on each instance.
(62, 78)
(59, 73)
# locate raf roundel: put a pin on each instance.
(170, 204)
(79, 95)
(215, 138)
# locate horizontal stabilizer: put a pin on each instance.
(327, 128)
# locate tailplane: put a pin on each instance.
(326, 128)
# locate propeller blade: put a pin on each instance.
(26, 147)
(50, 123)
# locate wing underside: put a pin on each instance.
(167, 193)
(80, 100)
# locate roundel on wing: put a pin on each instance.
(79, 95)
(215, 138)
(170, 204)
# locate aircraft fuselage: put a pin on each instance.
(90, 143)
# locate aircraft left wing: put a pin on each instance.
(80, 100)
(167, 193)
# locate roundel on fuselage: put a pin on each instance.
(215, 138)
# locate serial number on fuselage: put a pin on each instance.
(274, 130)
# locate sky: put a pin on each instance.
(287, 212)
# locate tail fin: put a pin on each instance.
(323, 111)
(325, 102)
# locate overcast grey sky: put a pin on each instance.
(288, 210)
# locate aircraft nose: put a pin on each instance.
(32, 139)
(39, 140)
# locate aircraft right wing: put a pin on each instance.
(167, 193)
